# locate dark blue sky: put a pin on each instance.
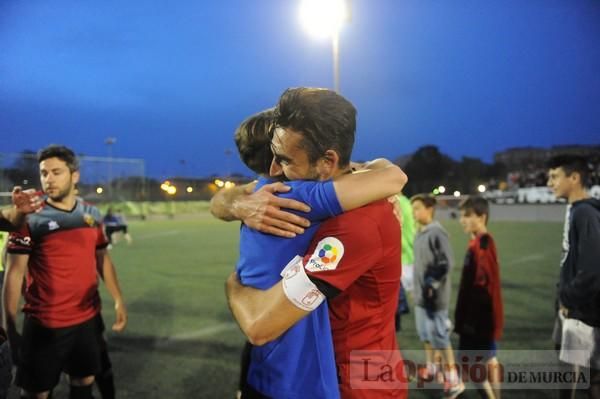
(171, 80)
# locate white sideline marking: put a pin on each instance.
(526, 259)
(159, 234)
(201, 333)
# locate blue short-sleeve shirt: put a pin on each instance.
(300, 363)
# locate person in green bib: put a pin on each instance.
(404, 213)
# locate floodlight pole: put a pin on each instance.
(335, 46)
(109, 143)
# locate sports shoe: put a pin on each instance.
(425, 373)
(452, 391)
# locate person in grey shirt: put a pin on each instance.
(433, 261)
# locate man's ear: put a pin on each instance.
(575, 177)
(328, 164)
(75, 176)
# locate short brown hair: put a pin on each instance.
(428, 200)
(253, 140)
(476, 204)
(572, 164)
(61, 152)
(325, 119)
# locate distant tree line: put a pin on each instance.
(429, 168)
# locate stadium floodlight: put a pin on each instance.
(229, 184)
(441, 189)
(99, 190)
(457, 193)
(324, 19)
(436, 191)
(219, 183)
(189, 189)
(172, 190)
(481, 188)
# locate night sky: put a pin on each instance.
(171, 80)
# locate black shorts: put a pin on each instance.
(250, 393)
(475, 348)
(46, 352)
(245, 365)
(105, 363)
(115, 229)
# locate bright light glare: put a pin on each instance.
(189, 189)
(219, 183)
(171, 190)
(442, 189)
(165, 186)
(457, 193)
(229, 184)
(323, 18)
(99, 190)
(481, 188)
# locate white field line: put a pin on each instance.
(158, 234)
(525, 259)
(201, 333)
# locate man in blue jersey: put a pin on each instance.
(307, 346)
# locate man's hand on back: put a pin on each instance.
(262, 211)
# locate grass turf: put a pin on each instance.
(181, 341)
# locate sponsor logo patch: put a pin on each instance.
(327, 255)
(21, 241)
(53, 225)
(89, 219)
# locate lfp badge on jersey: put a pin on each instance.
(89, 219)
(327, 255)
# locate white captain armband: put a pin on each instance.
(298, 288)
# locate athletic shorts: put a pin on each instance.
(435, 330)
(476, 348)
(250, 393)
(46, 352)
(105, 363)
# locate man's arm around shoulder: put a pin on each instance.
(377, 180)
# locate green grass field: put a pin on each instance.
(181, 341)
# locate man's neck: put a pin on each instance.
(426, 222)
(480, 231)
(67, 203)
(578, 195)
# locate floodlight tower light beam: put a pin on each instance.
(324, 19)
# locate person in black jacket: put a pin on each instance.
(579, 282)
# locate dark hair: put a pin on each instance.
(572, 163)
(253, 140)
(476, 204)
(428, 200)
(61, 152)
(326, 120)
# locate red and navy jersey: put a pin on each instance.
(479, 305)
(62, 281)
(355, 260)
